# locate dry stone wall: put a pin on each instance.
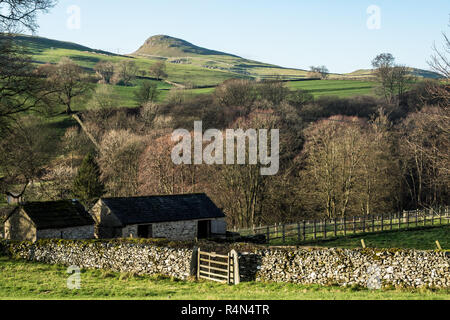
(120, 257)
(373, 268)
(83, 232)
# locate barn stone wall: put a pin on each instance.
(82, 232)
(178, 230)
(19, 227)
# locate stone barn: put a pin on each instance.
(176, 217)
(66, 219)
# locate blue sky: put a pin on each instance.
(290, 33)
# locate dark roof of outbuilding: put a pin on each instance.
(152, 209)
(57, 214)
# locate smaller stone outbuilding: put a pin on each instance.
(175, 217)
(66, 219)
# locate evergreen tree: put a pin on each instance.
(87, 185)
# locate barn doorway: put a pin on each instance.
(145, 231)
(204, 229)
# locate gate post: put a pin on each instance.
(236, 276)
(198, 263)
(194, 262)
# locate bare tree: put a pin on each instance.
(236, 92)
(273, 91)
(334, 152)
(106, 70)
(23, 154)
(159, 175)
(16, 15)
(158, 70)
(394, 79)
(440, 60)
(320, 71)
(20, 89)
(68, 82)
(148, 92)
(424, 147)
(119, 162)
(102, 101)
(125, 72)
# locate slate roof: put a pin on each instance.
(153, 209)
(57, 214)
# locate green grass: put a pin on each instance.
(29, 280)
(414, 239)
(340, 88)
(423, 238)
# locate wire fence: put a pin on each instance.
(310, 230)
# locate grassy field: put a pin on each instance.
(340, 88)
(29, 280)
(424, 239)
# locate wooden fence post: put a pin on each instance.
(345, 226)
(390, 217)
(399, 221)
(364, 224)
(382, 222)
(325, 228)
(417, 217)
(354, 225)
(268, 233)
(228, 268)
(304, 230)
(315, 230)
(373, 223)
(284, 232)
(407, 220)
(298, 231)
(335, 227)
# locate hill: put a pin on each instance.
(420, 73)
(187, 64)
(165, 46)
(39, 45)
(181, 52)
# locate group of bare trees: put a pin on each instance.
(126, 71)
(348, 167)
(356, 160)
(394, 79)
(321, 72)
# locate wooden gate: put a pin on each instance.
(218, 267)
